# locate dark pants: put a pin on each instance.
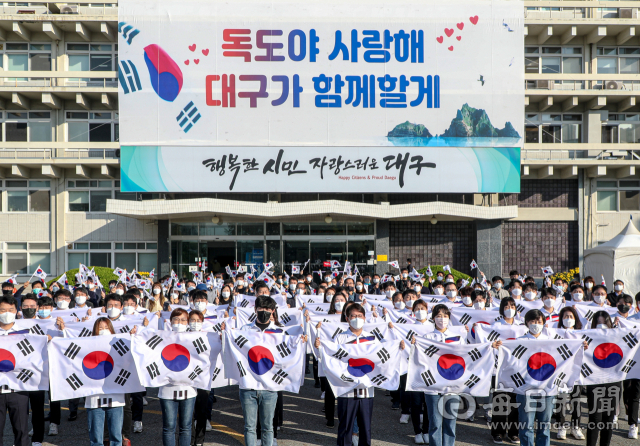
(199, 424)
(137, 405)
(631, 397)
(418, 406)
(36, 400)
(602, 400)
(504, 418)
(401, 396)
(54, 409)
(569, 408)
(210, 400)
(329, 400)
(278, 417)
(348, 410)
(17, 406)
(315, 369)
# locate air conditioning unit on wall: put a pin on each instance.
(626, 13)
(69, 9)
(613, 85)
(548, 85)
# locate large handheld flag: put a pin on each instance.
(549, 365)
(264, 361)
(450, 368)
(90, 366)
(23, 363)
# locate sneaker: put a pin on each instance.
(404, 418)
(31, 433)
(488, 415)
(144, 401)
(395, 406)
(331, 424)
(322, 395)
(258, 442)
(53, 429)
(274, 442)
(514, 439)
(497, 439)
(471, 419)
(137, 427)
(577, 433)
(615, 419)
(73, 416)
(425, 437)
(36, 443)
(208, 427)
(562, 434)
(633, 431)
(418, 439)
(354, 439)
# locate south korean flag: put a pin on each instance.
(499, 332)
(552, 366)
(165, 358)
(90, 366)
(264, 361)
(347, 366)
(85, 329)
(39, 327)
(318, 309)
(23, 363)
(218, 378)
(450, 368)
(586, 312)
(471, 317)
(611, 356)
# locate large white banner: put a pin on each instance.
(329, 96)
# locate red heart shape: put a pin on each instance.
(205, 52)
(450, 48)
(196, 61)
(192, 47)
(474, 19)
(440, 39)
(186, 62)
(460, 25)
(448, 32)
(458, 37)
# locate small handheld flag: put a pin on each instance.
(12, 279)
(547, 271)
(429, 272)
(446, 268)
(295, 269)
(268, 265)
(603, 282)
(473, 265)
(395, 264)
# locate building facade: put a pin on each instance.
(61, 205)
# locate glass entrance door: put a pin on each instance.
(325, 251)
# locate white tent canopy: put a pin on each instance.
(619, 258)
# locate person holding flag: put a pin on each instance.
(81, 299)
(155, 302)
(599, 296)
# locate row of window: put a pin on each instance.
(24, 257)
(569, 60)
(141, 256)
(267, 228)
(618, 195)
(567, 128)
(23, 56)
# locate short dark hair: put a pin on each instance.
(197, 313)
(113, 297)
(598, 287)
(514, 272)
(496, 278)
(9, 300)
(467, 290)
(357, 307)
(534, 315)
(618, 280)
(82, 290)
(135, 291)
(62, 292)
(129, 296)
(504, 302)
(563, 311)
(30, 297)
(7, 284)
(259, 285)
(548, 292)
(37, 282)
(266, 302)
(440, 308)
(179, 312)
(605, 315)
(199, 294)
(627, 299)
(513, 282)
(45, 301)
(420, 302)
(531, 286)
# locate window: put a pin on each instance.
(28, 196)
(91, 57)
(553, 128)
(28, 57)
(91, 126)
(141, 256)
(553, 60)
(28, 126)
(618, 195)
(26, 257)
(621, 127)
(618, 60)
(94, 199)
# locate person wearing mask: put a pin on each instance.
(599, 296)
(120, 289)
(404, 282)
(81, 299)
(578, 294)
(438, 289)
(419, 288)
(570, 419)
(366, 280)
(155, 302)
(226, 297)
(329, 293)
(242, 286)
(497, 290)
(618, 290)
(400, 399)
(514, 275)
(322, 289)
(548, 296)
(451, 292)
(442, 429)
(465, 296)
(360, 291)
(14, 404)
(175, 297)
(191, 285)
(602, 399)
(93, 296)
(375, 288)
(7, 289)
(448, 278)
(440, 277)
(105, 409)
(515, 288)
(112, 286)
(350, 288)
(137, 399)
(200, 424)
(589, 283)
(301, 289)
(530, 292)
(389, 290)
(561, 286)
(418, 405)
(199, 303)
(311, 285)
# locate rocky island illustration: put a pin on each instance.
(471, 127)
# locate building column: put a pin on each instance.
(489, 247)
(382, 245)
(164, 249)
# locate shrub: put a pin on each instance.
(436, 268)
(104, 274)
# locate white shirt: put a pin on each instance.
(530, 336)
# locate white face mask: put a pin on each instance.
(497, 285)
(421, 315)
(104, 332)
(179, 327)
(356, 323)
(530, 295)
(62, 304)
(174, 295)
(548, 303)
(509, 313)
(359, 287)
(568, 322)
(449, 280)
(441, 322)
(128, 309)
(417, 289)
(239, 283)
(409, 304)
(602, 326)
(618, 287)
(598, 299)
(451, 294)
(478, 305)
(467, 300)
(119, 291)
(516, 291)
(376, 280)
(80, 299)
(439, 290)
(405, 275)
(7, 318)
(225, 294)
(327, 279)
(200, 306)
(399, 305)
(390, 293)
(338, 306)
(113, 312)
(577, 297)
(194, 326)
(91, 286)
(300, 291)
(309, 279)
(535, 328)
(328, 297)
(588, 285)
(156, 290)
(292, 286)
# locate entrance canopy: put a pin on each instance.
(619, 258)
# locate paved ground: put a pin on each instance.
(304, 423)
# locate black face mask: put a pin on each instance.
(29, 313)
(624, 308)
(7, 292)
(350, 289)
(263, 317)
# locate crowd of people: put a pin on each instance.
(188, 305)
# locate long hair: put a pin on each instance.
(96, 326)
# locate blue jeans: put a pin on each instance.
(170, 411)
(535, 411)
(442, 422)
(96, 418)
(254, 403)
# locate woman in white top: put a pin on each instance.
(101, 408)
(177, 400)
